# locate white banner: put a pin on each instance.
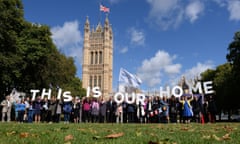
(128, 78)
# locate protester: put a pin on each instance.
(52, 109)
(187, 108)
(67, 109)
(16, 108)
(86, 110)
(155, 109)
(173, 109)
(94, 110)
(21, 111)
(58, 110)
(149, 110)
(37, 105)
(212, 109)
(30, 112)
(119, 113)
(102, 110)
(111, 110)
(196, 107)
(124, 111)
(205, 110)
(164, 108)
(131, 112)
(76, 109)
(45, 113)
(141, 112)
(26, 101)
(6, 109)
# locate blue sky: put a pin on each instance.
(159, 40)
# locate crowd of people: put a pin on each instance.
(154, 109)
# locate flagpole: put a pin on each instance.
(118, 86)
(100, 15)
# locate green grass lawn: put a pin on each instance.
(88, 133)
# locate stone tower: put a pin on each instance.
(98, 57)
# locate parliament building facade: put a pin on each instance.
(97, 63)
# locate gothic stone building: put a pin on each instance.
(98, 57)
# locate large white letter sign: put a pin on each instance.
(34, 93)
(176, 89)
(198, 86)
(67, 96)
(97, 92)
(117, 96)
(208, 87)
(167, 92)
(48, 94)
(140, 98)
(132, 98)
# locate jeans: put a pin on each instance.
(30, 116)
(66, 117)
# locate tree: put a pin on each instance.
(35, 46)
(11, 23)
(28, 57)
(234, 53)
(75, 86)
(222, 83)
(233, 57)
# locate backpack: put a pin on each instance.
(67, 108)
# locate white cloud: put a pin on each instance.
(234, 9)
(198, 69)
(191, 74)
(152, 70)
(193, 10)
(221, 3)
(137, 37)
(68, 39)
(67, 34)
(161, 69)
(171, 13)
(172, 69)
(165, 13)
(124, 50)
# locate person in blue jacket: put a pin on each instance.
(16, 107)
(21, 110)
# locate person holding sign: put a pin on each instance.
(187, 108)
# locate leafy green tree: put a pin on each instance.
(223, 84)
(11, 20)
(28, 57)
(36, 47)
(75, 86)
(234, 54)
(222, 78)
(234, 58)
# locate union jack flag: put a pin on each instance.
(104, 9)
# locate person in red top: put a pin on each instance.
(86, 110)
